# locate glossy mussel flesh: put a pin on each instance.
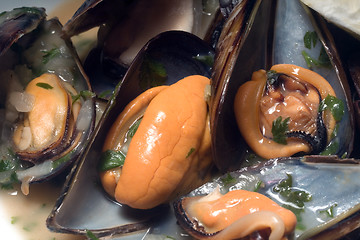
(47, 103)
(280, 113)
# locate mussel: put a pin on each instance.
(298, 184)
(162, 143)
(295, 94)
(178, 54)
(260, 35)
(47, 108)
(233, 215)
(126, 26)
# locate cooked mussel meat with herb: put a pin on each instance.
(159, 146)
(47, 110)
(287, 110)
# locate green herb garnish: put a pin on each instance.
(206, 59)
(5, 165)
(322, 61)
(152, 73)
(91, 235)
(14, 220)
(271, 76)
(30, 226)
(330, 149)
(9, 165)
(105, 93)
(85, 94)
(258, 185)
(330, 211)
(323, 58)
(111, 159)
(48, 55)
(169, 237)
(310, 39)
(279, 130)
(228, 180)
(190, 152)
(133, 128)
(44, 85)
(335, 105)
(295, 197)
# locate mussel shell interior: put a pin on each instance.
(272, 33)
(84, 204)
(24, 28)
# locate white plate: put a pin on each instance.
(23, 217)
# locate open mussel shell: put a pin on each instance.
(120, 37)
(31, 47)
(329, 208)
(257, 35)
(84, 205)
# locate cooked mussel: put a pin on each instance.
(162, 141)
(291, 93)
(299, 184)
(260, 36)
(166, 59)
(47, 108)
(236, 214)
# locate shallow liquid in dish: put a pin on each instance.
(25, 216)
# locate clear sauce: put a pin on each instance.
(24, 217)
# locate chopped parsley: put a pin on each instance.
(84, 94)
(91, 235)
(105, 93)
(228, 180)
(111, 159)
(330, 149)
(190, 152)
(152, 73)
(133, 128)
(169, 237)
(310, 40)
(330, 212)
(295, 198)
(14, 219)
(206, 59)
(44, 85)
(48, 55)
(258, 185)
(279, 130)
(9, 165)
(335, 105)
(30, 226)
(285, 189)
(271, 76)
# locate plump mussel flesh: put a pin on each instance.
(234, 215)
(47, 125)
(47, 110)
(282, 112)
(159, 146)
